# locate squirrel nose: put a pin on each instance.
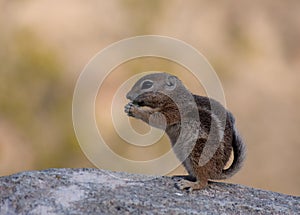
(129, 96)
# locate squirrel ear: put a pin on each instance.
(171, 83)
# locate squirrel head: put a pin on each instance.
(154, 83)
(164, 92)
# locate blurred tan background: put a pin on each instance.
(254, 47)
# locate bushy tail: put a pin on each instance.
(239, 152)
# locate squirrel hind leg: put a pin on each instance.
(184, 184)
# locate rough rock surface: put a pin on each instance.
(93, 191)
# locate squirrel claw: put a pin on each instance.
(184, 185)
(190, 185)
(128, 108)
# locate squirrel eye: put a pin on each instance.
(147, 85)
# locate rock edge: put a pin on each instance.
(93, 191)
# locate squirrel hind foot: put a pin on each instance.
(184, 184)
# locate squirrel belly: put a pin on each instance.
(199, 128)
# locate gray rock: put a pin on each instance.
(93, 191)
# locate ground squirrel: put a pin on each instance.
(162, 101)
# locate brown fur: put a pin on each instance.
(157, 102)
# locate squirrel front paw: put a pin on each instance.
(133, 110)
(129, 109)
(139, 112)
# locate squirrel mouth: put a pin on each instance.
(139, 103)
(142, 101)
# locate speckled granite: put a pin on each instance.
(93, 191)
